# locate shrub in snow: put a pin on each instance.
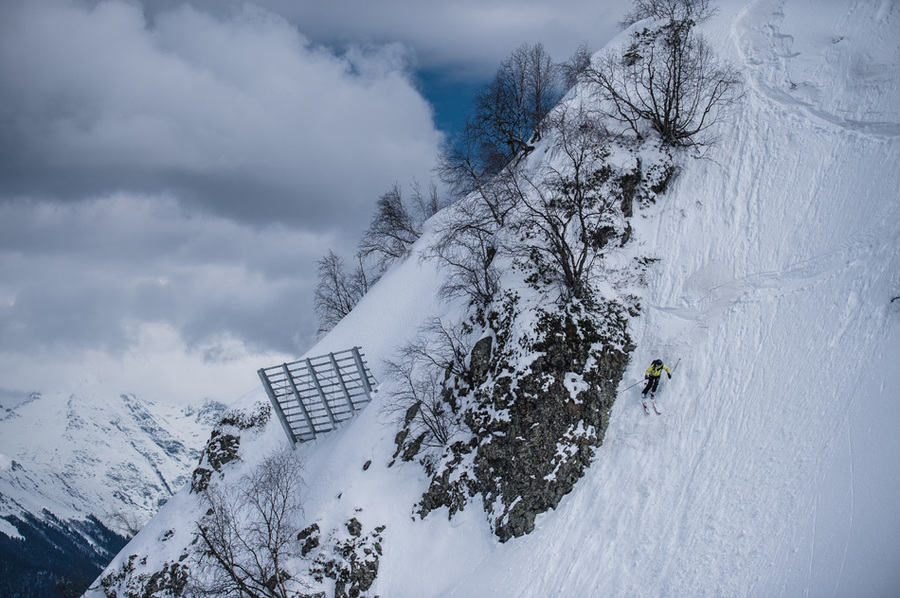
(667, 80)
(418, 401)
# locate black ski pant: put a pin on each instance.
(652, 384)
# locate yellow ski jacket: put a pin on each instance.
(656, 372)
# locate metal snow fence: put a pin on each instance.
(312, 396)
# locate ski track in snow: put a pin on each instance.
(779, 69)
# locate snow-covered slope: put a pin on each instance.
(102, 455)
(68, 463)
(774, 469)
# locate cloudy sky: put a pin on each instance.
(171, 170)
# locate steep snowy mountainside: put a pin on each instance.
(833, 61)
(773, 470)
(78, 474)
(98, 455)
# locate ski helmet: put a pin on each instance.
(657, 362)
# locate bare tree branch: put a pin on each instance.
(669, 80)
(249, 535)
(338, 291)
(668, 10)
(568, 209)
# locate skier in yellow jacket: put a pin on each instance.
(652, 376)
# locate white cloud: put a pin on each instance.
(241, 115)
(109, 284)
(71, 274)
(168, 180)
(158, 365)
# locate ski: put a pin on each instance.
(646, 409)
(655, 408)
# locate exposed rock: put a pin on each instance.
(221, 448)
(310, 538)
(170, 580)
(480, 361)
(535, 428)
(224, 442)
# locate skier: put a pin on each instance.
(652, 376)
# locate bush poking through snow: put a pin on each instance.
(419, 402)
(667, 80)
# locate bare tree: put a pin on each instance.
(466, 245)
(392, 231)
(425, 205)
(420, 368)
(668, 10)
(397, 224)
(575, 66)
(443, 346)
(338, 290)
(249, 534)
(568, 213)
(510, 110)
(507, 115)
(128, 524)
(471, 167)
(420, 400)
(507, 118)
(668, 79)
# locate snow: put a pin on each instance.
(774, 470)
(107, 456)
(9, 530)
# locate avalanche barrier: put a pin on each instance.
(312, 396)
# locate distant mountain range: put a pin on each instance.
(79, 475)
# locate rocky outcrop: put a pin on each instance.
(170, 580)
(537, 411)
(224, 442)
(348, 556)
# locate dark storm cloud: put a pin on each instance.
(239, 114)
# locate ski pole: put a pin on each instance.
(633, 385)
(676, 364)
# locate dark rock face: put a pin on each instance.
(480, 361)
(224, 442)
(310, 539)
(534, 425)
(168, 581)
(221, 448)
